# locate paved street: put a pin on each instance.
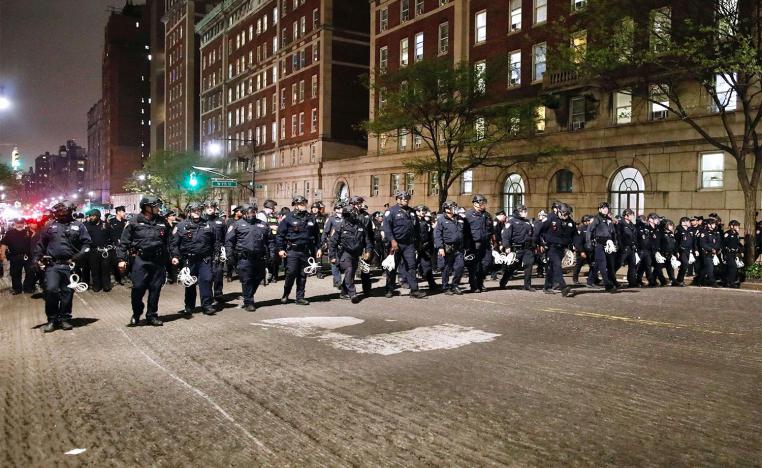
(667, 377)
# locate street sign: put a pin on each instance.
(259, 186)
(224, 183)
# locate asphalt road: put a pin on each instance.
(650, 377)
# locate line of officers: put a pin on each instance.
(254, 242)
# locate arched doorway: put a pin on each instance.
(627, 191)
(513, 193)
(342, 191)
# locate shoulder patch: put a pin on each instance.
(387, 213)
(230, 228)
(74, 228)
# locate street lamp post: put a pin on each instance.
(5, 103)
(215, 148)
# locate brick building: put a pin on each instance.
(122, 116)
(627, 152)
(281, 85)
(156, 41)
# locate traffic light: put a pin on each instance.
(193, 181)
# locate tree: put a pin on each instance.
(698, 61)
(165, 175)
(449, 110)
(9, 181)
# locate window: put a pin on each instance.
(480, 27)
(314, 86)
(443, 2)
(404, 53)
(301, 123)
(402, 140)
(540, 11)
(479, 128)
(314, 124)
(444, 38)
(315, 51)
(383, 19)
(627, 191)
(661, 23)
(538, 61)
(294, 94)
(576, 113)
(419, 46)
(622, 107)
(577, 5)
(315, 19)
(725, 92)
(410, 183)
(579, 46)
(274, 131)
(659, 103)
(375, 183)
(303, 25)
(395, 183)
(294, 123)
(418, 7)
(712, 167)
(433, 184)
(301, 91)
(515, 15)
(514, 74)
(383, 58)
(513, 193)
(404, 10)
(564, 181)
(480, 72)
(313, 152)
(539, 125)
(282, 128)
(467, 182)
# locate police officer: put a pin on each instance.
(270, 216)
(348, 243)
(193, 244)
(401, 231)
(365, 220)
(297, 240)
(378, 237)
(647, 246)
(117, 224)
(230, 265)
(498, 224)
(627, 232)
(252, 241)
(517, 237)
(541, 259)
(557, 232)
(146, 237)
(449, 239)
(330, 225)
(667, 248)
(600, 233)
(62, 242)
(479, 223)
(583, 251)
(425, 246)
(709, 245)
(731, 246)
(97, 261)
(16, 247)
(211, 216)
(317, 210)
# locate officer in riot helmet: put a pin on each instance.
(297, 241)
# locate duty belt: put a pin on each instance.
(298, 248)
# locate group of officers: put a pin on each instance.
(198, 248)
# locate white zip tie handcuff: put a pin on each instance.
(469, 257)
(675, 262)
(610, 247)
(659, 258)
(569, 260)
(312, 266)
(388, 263)
(74, 281)
(364, 266)
(185, 277)
(104, 250)
(715, 260)
(504, 259)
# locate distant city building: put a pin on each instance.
(156, 80)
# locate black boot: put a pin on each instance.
(66, 325)
(49, 327)
(154, 321)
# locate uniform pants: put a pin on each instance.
(273, 266)
(348, 266)
(58, 294)
(251, 272)
(684, 257)
(628, 258)
(698, 269)
(477, 267)
(404, 258)
(707, 270)
(451, 264)
(147, 275)
(525, 261)
(19, 266)
(295, 262)
(113, 264)
(230, 265)
(336, 274)
(582, 262)
(646, 267)
(604, 263)
(425, 267)
(659, 269)
(731, 270)
(218, 278)
(100, 270)
(203, 271)
(555, 275)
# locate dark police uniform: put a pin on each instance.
(628, 249)
(61, 242)
(667, 248)
(232, 262)
(253, 244)
(117, 228)
(517, 237)
(425, 245)
(218, 266)
(401, 225)
(299, 236)
(558, 234)
(450, 235)
(19, 254)
(648, 244)
(193, 243)
(148, 240)
(709, 245)
(367, 224)
(329, 227)
(583, 253)
(99, 268)
(347, 244)
(599, 232)
(686, 241)
(479, 224)
(275, 260)
(731, 245)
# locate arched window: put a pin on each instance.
(564, 181)
(627, 191)
(513, 193)
(342, 191)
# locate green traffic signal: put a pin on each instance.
(193, 181)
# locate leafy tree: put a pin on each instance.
(448, 109)
(699, 62)
(8, 181)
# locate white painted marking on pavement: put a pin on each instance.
(76, 451)
(199, 393)
(444, 336)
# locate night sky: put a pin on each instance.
(50, 66)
